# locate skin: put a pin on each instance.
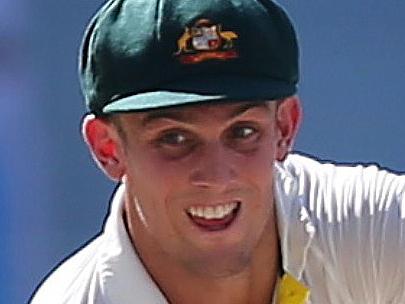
(172, 159)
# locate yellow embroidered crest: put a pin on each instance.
(204, 41)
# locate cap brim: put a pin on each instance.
(194, 91)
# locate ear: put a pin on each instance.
(288, 117)
(104, 145)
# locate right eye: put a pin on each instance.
(175, 143)
(173, 138)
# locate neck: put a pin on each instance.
(254, 284)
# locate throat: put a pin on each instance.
(254, 284)
(234, 290)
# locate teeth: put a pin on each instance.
(219, 212)
(200, 212)
(209, 213)
(212, 212)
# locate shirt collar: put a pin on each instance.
(121, 271)
(296, 229)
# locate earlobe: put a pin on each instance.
(289, 116)
(99, 136)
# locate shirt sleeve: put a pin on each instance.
(357, 254)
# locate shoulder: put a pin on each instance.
(341, 191)
(357, 212)
(72, 280)
(300, 164)
(312, 172)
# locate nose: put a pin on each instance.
(215, 167)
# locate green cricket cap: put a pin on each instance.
(145, 54)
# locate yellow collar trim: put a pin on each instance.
(291, 291)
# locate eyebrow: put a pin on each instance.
(181, 116)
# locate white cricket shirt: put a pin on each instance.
(342, 232)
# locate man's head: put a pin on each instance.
(178, 163)
(191, 103)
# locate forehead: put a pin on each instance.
(201, 112)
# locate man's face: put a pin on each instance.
(199, 181)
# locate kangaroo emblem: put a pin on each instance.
(182, 42)
(204, 41)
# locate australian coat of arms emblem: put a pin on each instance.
(205, 41)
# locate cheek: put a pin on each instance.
(147, 167)
(153, 181)
(257, 171)
(150, 185)
(260, 163)
(162, 174)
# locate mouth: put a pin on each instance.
(214, 218)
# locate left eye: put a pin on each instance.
(244, 138)
(244, 132)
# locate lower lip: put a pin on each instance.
(213, 225)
